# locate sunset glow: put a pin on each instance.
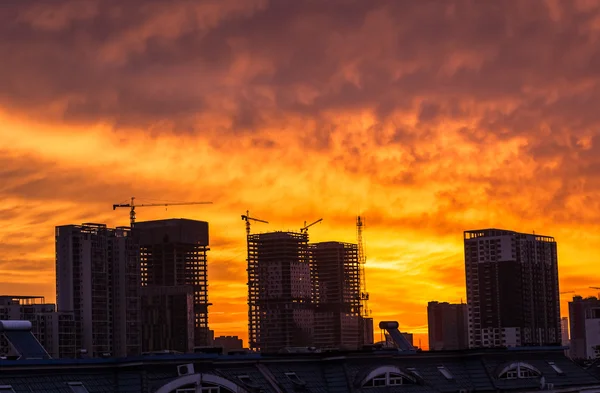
(427, 120)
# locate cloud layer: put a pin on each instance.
(429, 117)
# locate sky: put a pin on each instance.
(427, 117)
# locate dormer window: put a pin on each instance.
(387, 376)
(519, 370)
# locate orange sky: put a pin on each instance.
(429, 118)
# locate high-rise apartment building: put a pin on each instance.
(584, 315)
(512, 288)
(174, 253)
(98, 280)
(55, 331)
(336, 283)
(448, 326)
(280, 312)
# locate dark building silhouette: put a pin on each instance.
(98, 280)
(512, 289)
(335, 275)
(168, 318)
(448, 326)
(584, 317)
(55, 331)
(173, 253)
(229, 343)
(280, 310)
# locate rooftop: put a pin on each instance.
(486, 370)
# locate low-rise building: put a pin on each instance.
(229, 343)
(54, 330)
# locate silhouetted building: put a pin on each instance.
(229, 343)
(98, 280)
(335, 275)
(512, 289)
(173, 253)
(448, 326)
(564, 331)
(584, 315)
(54, 330)
(168, 318)
(280, 310)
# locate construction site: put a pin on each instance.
(173, 254)
(302, 294)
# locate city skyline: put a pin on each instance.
(365, 109)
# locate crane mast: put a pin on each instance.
(362, 260)
(246, 217)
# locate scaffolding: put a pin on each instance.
(335, 274)
(280, 312)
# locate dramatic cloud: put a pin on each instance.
(429, 117)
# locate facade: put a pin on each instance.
(335, 275)
(280, 310)
(584, 315)
(512, 289)
(98, 281)
(167, 318)
(55, 331)
(174, 253)
(564, 331)
(486, 371)
(448, 326)
(229, 343)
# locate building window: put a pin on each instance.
(415, 371)
(246, 380)
(77, 387)
(446, 373)
(387, 376)
(295, 379)
(558, 370)
(519, 371)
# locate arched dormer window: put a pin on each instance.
(387, 376)
(519, 370)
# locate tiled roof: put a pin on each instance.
(451, 372)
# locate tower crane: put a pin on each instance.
(362, 260)
(246, 217)
(132, 206)
(564, 293)
(304, 229)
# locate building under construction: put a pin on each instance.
(173, 253)
(280, 310)
(337, 295)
